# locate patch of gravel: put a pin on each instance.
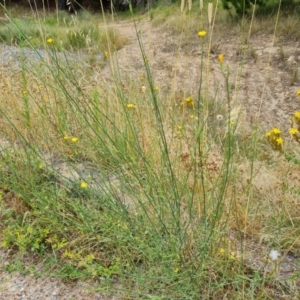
(15, 57)
(16, 286)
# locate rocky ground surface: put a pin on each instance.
(264, 77)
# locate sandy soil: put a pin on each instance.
(262, 73)
(263, 87)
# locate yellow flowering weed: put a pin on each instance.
(275, 139)
(130, 105)
(279, 141)
(83, 185)
(202, 33)
(293, 131)
(189, 102)
(297, 115)
(268, 134)
(221, 58)
(276, 130)
(74, 139)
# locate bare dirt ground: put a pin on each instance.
(263, 75)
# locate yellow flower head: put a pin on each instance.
(189, 102)
(221, 250)
(83, 185)
(130, 105)
(294, 131)
(176, 270)
(268, 134)
(279, 141)
(221, 58)
(298, 93)
(50, 41)
(156, 88)
(202, 33)
(276, 130)
(74, 139)
(24, 92)
(297, 115)
(179, 127)
(106, 54)
(232, 123)
(192, 117)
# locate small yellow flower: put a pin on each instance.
(50, 41)
(298, 93)
(232, 123)
(66, 138)
(83, 185)
(294, 131)
(24, 92)
(276, 130)
(189, 102)
(156, 88)
(202, 33)
(221, 58)
(297, 115)
(268, 134)
(279, 141)
(221, 250)
(74, 139)
(176, 270)
(179, 127)
(41, 86)
(130, 105)
(192, 117)
(106, 54)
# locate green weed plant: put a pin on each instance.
(121, 182)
